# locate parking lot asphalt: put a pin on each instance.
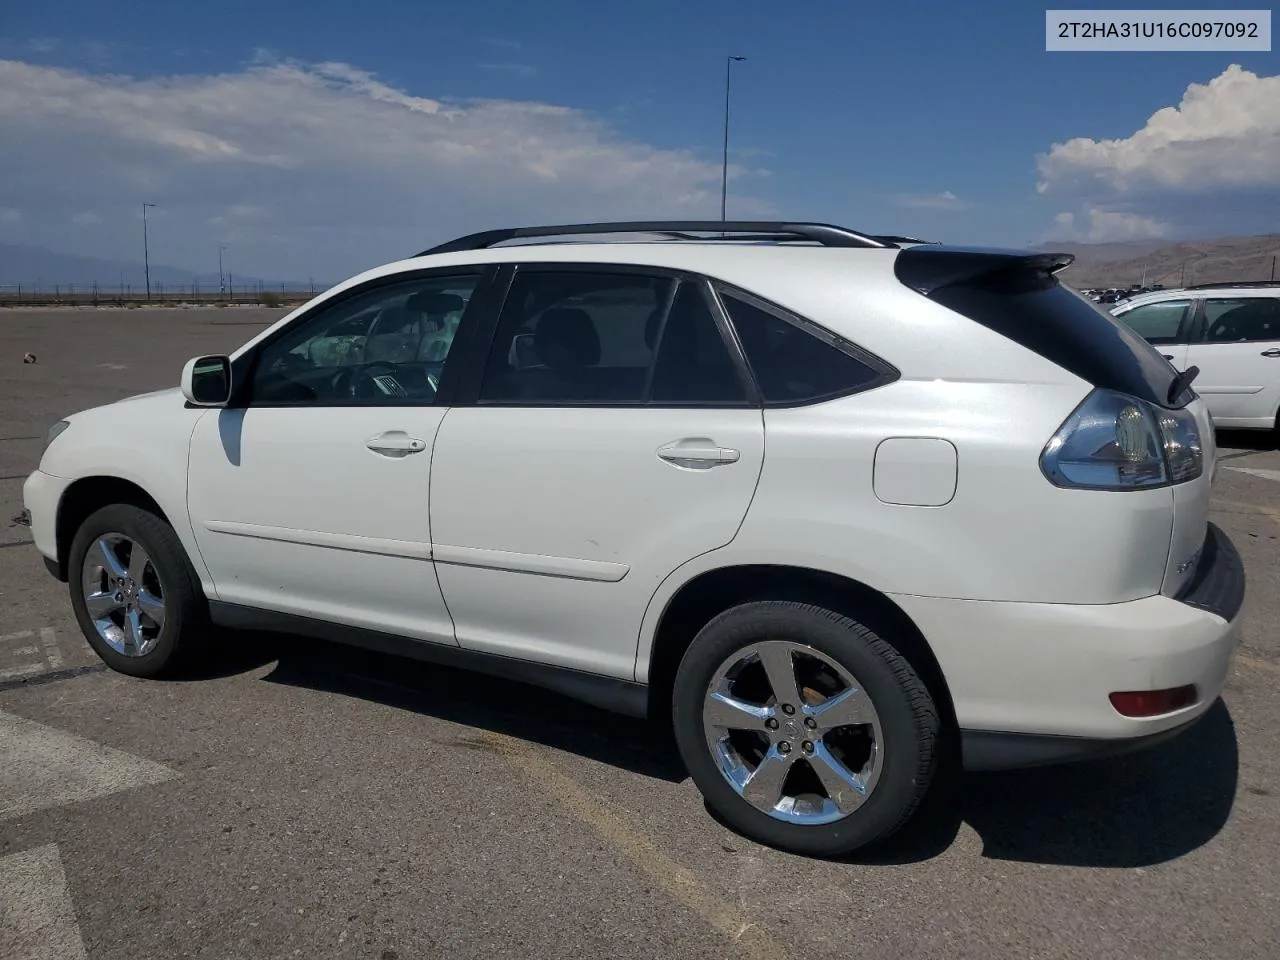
(304, 800)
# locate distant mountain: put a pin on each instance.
(36, 266)
(1172, 264)
(1104, 252)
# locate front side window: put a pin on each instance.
(1157, 322)
(1246, 319)
(601, 339)
(384, 346)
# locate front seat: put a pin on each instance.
(440, 313)
(566, 343)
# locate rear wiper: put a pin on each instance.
(1181, 382)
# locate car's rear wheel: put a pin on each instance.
(804, 729)
(135, 595)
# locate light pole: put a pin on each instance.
(146, 255)
(222, 287)
(724, 175)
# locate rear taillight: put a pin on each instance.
(1117, 442)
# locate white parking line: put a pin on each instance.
(48, 653)
(37, 917)
(51, 651)
(1258, 472)
(45, 767)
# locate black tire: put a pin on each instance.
(909, 722)
(181, 642)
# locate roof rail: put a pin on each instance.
(1233, 283)
(825, 234)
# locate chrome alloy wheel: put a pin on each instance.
(123, 595)
(793, 732)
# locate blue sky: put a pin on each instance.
(926, 118)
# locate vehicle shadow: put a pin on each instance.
(472, 699)
(1245, 442)
(1142, 809)
(1138, 810)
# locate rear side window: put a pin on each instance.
(1247, 319)
(794, 365)
(1157, 322)
(603, 339)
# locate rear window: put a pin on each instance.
(1045, 317)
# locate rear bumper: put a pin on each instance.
(992, 750)
(1031, 682)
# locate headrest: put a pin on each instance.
(435, 303)
(566, 337)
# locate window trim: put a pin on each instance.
(886, 372)
(477, 361)
(1187, 326)
(243, 379)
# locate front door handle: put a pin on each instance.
(395, 443)
(697, 453)
(1167, 356)
(1273, 352)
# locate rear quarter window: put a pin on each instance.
(796, 362)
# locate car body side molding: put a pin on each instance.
(608, 693)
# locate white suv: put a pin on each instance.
(1231, 333)
(828, 503)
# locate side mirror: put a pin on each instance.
(206, 381)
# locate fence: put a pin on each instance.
(94, 293)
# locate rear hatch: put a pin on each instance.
(1018, 295)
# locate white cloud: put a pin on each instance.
(946, 200)
(1104, 226)
(317, 169)
(1206, 166)
(1225, 133)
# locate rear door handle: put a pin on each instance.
(395, 443)
(697, 453)
(1273, 352)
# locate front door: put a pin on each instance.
(311, 495)
(610, 438)
(1238, 353)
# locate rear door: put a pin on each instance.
(1237, 349)
(1165, 324)
(609, 435)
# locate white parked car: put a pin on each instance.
(830, 504)
(1231, 333)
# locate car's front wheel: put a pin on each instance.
(135, 595)
(803, 728)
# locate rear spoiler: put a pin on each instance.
(929, 268)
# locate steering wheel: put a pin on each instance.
(358, 382)
(347, 382)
